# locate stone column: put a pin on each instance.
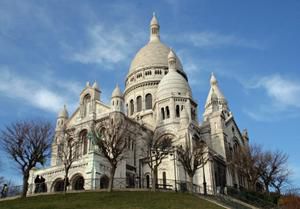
(172, 109)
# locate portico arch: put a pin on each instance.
(104, 181)
(77, 182)
(58, 185)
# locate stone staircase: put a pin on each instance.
(227, 202)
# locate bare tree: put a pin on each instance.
(192, 156)
(112, 135)
(28, 144)
(281, 180)
(245, 160)
(271, 165)
(67, 152)
(157, 148)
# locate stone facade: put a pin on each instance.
(157, 99)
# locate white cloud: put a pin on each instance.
(214, 40)
(106, 45)
(282, 91)
(283, 97)
(31, 91)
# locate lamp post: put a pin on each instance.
(174, 161)
(204, 179)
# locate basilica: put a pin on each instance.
(157, 98)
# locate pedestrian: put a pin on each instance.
(37, 182)
(4, 191)
(42, 184)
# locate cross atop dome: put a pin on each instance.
(154, 29)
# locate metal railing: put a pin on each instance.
(102, 184)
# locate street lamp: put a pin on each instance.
(204, 179)
(174, 160)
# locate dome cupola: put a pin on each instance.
(173, 83)
(154, 32)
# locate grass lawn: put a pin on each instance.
(114, 200)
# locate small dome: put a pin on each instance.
(117, 92)
(63, 113)
(153, 54)
(173, 84)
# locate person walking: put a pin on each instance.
(37, 183)
(42, 184)
(4, 191)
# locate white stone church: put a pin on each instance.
(157, 98)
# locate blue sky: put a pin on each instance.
(50, 49)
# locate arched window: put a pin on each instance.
(162, 113)
(139, 104)
(168, 112)
(148, 101)
(84, 141)
(148, 181)
(177, 111)
(131, 107)
(86, 104)
(236, 145)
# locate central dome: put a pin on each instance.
(154, 53)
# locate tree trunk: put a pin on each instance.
(66, 180)
(190, 184)
(25, 183)
(253, 186)
(154, 178)
(111, 179)
(267, 188)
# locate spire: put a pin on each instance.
(95, 85)
(172, 61)
(214, 88)
(213, 80)
(215, 97)
(63, 113)
(154, 29)
(117, 92)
